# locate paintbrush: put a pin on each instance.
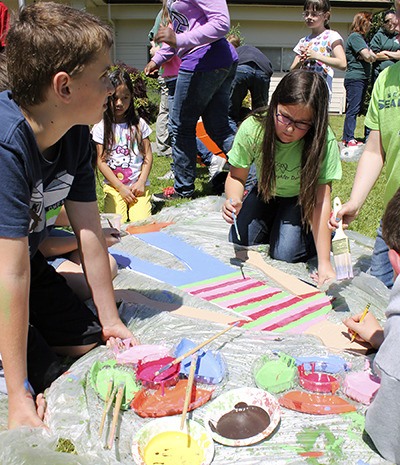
(235, 223)
(195, 349)
(189, 389)
(116, 235)
(107, 404)
(341, 248)
(117, 408)
(364, 314)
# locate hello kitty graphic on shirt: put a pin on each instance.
(125, 158)
(322, 43)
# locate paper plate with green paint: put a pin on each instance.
(103, 374)
(275, 373)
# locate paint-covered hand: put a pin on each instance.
(230, 208)
(167, 35)
(368, 330)
(117, 329)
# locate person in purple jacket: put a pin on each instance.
(203, 86)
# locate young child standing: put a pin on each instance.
(322, 50)
(297, 157)
(124, 153)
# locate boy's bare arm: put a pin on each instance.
(14, 314)
(85, 221)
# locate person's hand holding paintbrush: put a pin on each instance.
(364, 327)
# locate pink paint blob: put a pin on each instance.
(317, 381)
(146, 373)
(136, 354)
(361, 386)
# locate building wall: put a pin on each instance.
(261, 25)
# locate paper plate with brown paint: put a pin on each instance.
(315, 404)
(170, 400)
(242, 416)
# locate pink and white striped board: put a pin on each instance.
(270, 308)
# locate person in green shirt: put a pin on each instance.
(356, 79)
(385, 43)
(296, 157)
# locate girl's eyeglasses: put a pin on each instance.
(288, 121)
(312, 14)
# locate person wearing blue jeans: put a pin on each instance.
(277, 223)
(248, 78)
(208, 66)
(359, 58)
(204, 94)
(381, 267)
(253, 74)
(355, 94)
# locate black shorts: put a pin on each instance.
(57, 318)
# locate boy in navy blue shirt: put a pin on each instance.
(58, 59)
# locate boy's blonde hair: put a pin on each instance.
(48, 38)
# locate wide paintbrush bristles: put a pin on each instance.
(342, 258)
(341, 248)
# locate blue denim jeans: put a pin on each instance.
(381, 267)
(202, 150)
(355, 94)
(277, 223)
(248, 78)
(205, 94)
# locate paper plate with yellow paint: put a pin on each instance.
(162, 440)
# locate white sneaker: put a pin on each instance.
(167, 176)
(216, 166)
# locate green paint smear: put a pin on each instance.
(332, 449)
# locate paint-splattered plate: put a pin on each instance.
(157, 427)
(243, 416)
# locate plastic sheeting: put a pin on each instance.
(74, 410)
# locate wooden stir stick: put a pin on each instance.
(107, 404)
(189, 389)
(117, 408)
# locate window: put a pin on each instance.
(280, 57)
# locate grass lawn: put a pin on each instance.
(366, 223)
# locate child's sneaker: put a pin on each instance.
(352, 143)
(216, 166)
(169, 193)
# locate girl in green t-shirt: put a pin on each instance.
(297, 157)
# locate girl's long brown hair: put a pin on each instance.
(119, 77)
(299, 87)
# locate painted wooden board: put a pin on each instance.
(336, 336)
(285, 280)
(270, 308)
(198, 265)
(131, 296)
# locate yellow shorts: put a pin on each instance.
(114, 203)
